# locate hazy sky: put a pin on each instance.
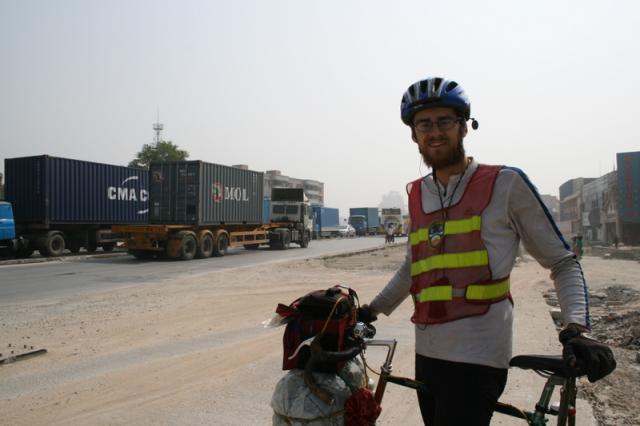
(313, 88)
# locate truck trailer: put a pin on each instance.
(364, 219)
(200, 209)
(56, 203)
(326, 222)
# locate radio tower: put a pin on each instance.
(157, 128)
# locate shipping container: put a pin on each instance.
(51, 190)
(60, 203)
(629, 187)
(364, 219)
(200, 193)
(326, 221)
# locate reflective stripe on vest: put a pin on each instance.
(472, 292)
(451, 227)
(450, 261)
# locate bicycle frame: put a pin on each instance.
(565, 412)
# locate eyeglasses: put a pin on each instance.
(443, 123)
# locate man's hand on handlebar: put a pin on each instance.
(366, 314)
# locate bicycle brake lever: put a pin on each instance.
(306, 342)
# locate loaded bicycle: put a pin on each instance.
(316, 360)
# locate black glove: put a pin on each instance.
(597, 357)
(365, 314)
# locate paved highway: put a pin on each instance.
(73, 275)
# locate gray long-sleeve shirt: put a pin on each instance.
(514, 214)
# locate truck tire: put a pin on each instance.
(188, 245)
(53, 245)
(221, 245)
(108, 247)
(286, 240)
(205, 246)
(305, 240)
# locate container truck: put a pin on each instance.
(200, 209)
(364, 219)
(326, 222)
(56, 203)
(391, 217)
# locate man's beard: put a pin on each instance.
(452, 157)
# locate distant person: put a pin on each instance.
(578, 249)
(615, 240)
(467, 220)
(389, 234)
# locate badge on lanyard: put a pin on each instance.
(436, 233)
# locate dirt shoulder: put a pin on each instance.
(193, 351)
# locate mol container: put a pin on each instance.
(201, 209)
(200, 193)
(61, 203)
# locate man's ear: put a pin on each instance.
(464, 129)
(413, 135)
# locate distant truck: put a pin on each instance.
(365, 220)
(200, 209)
(56, 204)
(391, 217)
(326, 222)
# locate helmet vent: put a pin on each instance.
(423, 86)
(452, 85)
(436, 84)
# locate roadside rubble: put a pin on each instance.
(615, 321)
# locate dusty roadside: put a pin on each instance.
(194, 352)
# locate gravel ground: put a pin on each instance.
(193, 351)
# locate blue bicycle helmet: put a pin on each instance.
(434, 92)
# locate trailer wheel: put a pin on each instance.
(221, 245)
(188, 245)
(108, 247)
(286, 240)
(305, 240)
(53, 245)
(205, 246)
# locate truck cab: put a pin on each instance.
(7, 224)
(359, 222)
(10, 244)
(291, 209)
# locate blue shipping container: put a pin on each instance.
(370, 214)
(52, 190)
(629, 186)
(325, 219)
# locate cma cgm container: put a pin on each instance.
(200, 209)
(62, 203)
(326, 221)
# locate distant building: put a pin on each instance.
(553, 205)
(571, 206)
(599, 213)
(605, 209)
(312, 188)
(275, 179)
